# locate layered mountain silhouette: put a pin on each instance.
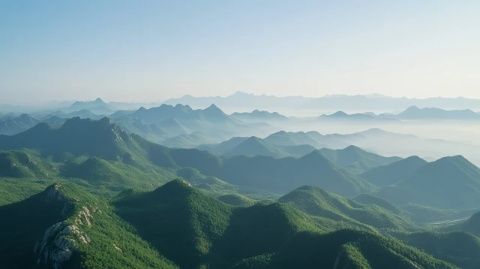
(204, 232)
(254, 146)
(356, 159)
(357, 117)
(373, 102)
(459, 248)
(11, 124)
(97, 106)
(415, 112)
(180, 125)
(281, 175)
(352, 158)
(259, 116)
(318, 202)
(392, 173)
(450, 182)
(76, 136)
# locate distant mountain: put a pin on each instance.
(180, 125)
(11, 124)
(378, 141)
(449, 183)
(97, 106)
(76, 136)
(282, 175)
(84, 114)
(283, 144)
(259, 116)
(356, 159)
(392, 173)
(266, 173)
(254, 146)
(284, 138)
(414, 112)
(177, 112)
(362, 139)
(298, 105)
(358, 117)
(411, 113)
(241, 101)
(318, 202)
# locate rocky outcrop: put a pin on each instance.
(61, 240)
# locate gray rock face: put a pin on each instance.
(62, 239)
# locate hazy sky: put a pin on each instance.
(152, 50)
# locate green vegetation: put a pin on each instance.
(14, 190)
(282, 175)
(448, 183)
(236, 200)
(320, 203)
(393, 173)
(24, 163)
(356, 159)
(89, 195)
(178, 220)
(470, 225)
(352, 249)
(458, 248)
(87, 228)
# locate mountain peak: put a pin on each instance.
(315, 155)
(339, 114)
(413, 108)
(175, 187)
(454, 158)
(54, 193)
(213, 107)
(214, 111)
(353, 148)
(240, 94)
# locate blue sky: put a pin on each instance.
(152, 50)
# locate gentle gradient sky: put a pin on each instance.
(152, 50)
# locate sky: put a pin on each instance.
(142, 51)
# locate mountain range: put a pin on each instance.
(180, 125)
(84, 230)
(450, 183)
(88, 194)
(299, 105)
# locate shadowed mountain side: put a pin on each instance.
(282, 175)
(76, 136)
(449, 183)
(356, 159)
(318, 202)
(458, 248)
(392, 173)
(344, 249)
